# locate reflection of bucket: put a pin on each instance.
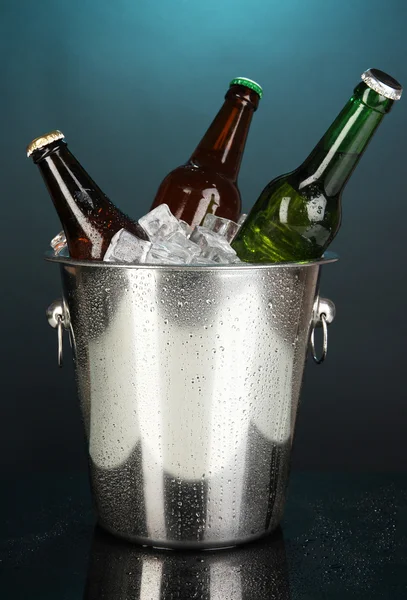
(256, 571)
(189, 379)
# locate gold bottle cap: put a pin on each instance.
(44, 140)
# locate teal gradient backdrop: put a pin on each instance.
(133, 84)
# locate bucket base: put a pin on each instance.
(186, 545)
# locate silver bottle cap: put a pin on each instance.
(382, 83)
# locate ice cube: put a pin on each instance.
(167, 253)
(185, 227)
(64, 252)
(220, 256)
(225, 227)
(126, 247)
(204, 237)
(214, 246)
(242, 219)
(159, 223)
(179, 238)
(200, 260)
(59, 244)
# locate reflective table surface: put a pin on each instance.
(343, 536)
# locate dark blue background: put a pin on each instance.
(133, 84)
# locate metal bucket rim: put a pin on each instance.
(328, 257)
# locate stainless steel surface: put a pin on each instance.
(319, 360)
(329, 257)
(324, 314)
(58, 317)
(60, 341)
(189, 380)
(54, 311)
(326, 307)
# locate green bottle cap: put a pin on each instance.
(248, 83)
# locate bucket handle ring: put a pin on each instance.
(58, 318)
(325, 315)
(324, 343)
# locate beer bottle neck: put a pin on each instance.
(66, 180)
(222, 146)
(334, 158)
(76, 197)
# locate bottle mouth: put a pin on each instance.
(39, 154)
(239, 94)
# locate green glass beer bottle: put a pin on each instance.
(298, 214)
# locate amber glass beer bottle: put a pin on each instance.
(88, 217)
(207, 183)
(298, 214)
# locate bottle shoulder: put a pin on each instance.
(195, 177)
(194, 172)
(295, 184)
(191, 192)
(286, 200)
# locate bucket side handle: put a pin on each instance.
(324, 315)
(58, 317)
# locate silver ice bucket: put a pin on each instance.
(189, 380)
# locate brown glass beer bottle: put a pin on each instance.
(207, 183)
(88, 217)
